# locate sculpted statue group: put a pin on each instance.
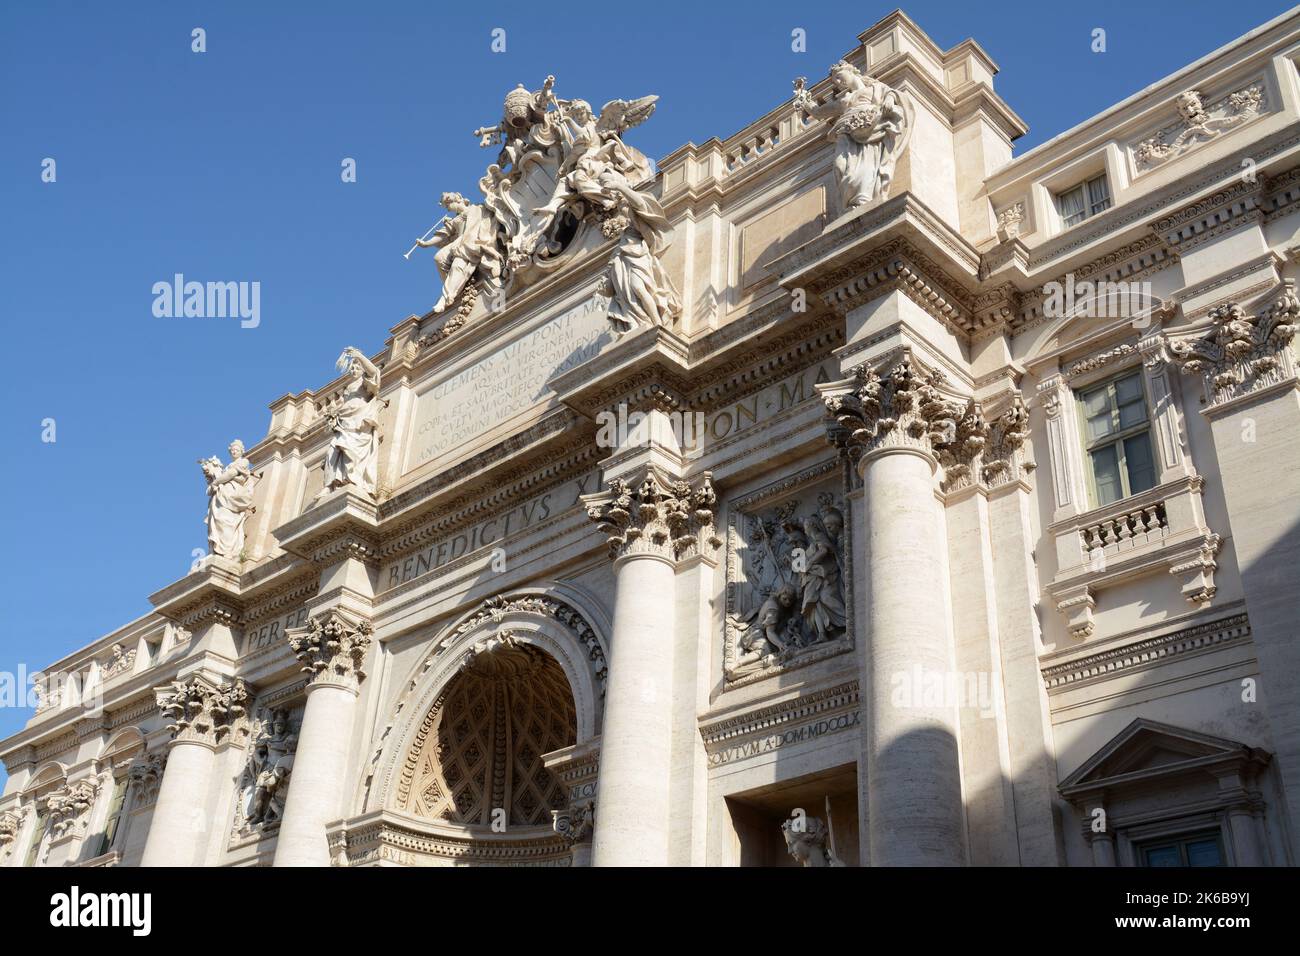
(790, 595)
(563, 169)
(265, 782)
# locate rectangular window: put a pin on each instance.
(1084, 200)
(114, 816)
(38, 836)
(1117, 438)
(1201, 849)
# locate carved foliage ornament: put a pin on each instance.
(146, 777)
(68, 805)
(656, 516)
(10, 822)
(576, 824)
(1242, 353)
(203, 711)
(332, 648)
(1198, 123)
(902, 406)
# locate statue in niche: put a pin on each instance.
(810, 840)
(230, 501)
(869, 124)
(353, 455)
(467, 247)
(265, 782)
(787, 594)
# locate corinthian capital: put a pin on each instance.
(1241, 353)
(655, 516)
(201, 710)
(894, 405)
(332, 648)
(11, 822)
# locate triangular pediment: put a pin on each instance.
(1147, 748)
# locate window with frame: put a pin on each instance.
(1117, 438)
(1199, 849)
(38, 837)
(1084, 200)
(114, 815)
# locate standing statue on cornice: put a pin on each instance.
(230, 501)
(643, 292)
(468, 241)
(353, 454)
(870, 125)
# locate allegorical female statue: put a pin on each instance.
(468, 241)
(353, 455)
(870, 126)
(230, 500)
(823, 585)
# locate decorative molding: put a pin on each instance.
(1198, 123)
(69, 804)
(800, 718)
(1242, 354)
(1146, 652)
(146, 777)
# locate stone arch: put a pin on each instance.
(48, 776)
(126, 746)
(555, 629)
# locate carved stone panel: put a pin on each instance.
(264, 781)
(788, 576)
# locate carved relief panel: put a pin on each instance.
(788, 576)
(264, 781)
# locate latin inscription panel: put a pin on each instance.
(459, 409)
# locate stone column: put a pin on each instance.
(332, 648)
(204, 711)
(892, 421)
(651, 522)
(1103, 849)
(1252, 400)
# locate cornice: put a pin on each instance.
(719, 732)
(1132, 653)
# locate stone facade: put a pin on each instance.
(843, 492)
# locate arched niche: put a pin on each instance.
(541, 640)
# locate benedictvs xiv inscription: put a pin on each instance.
(488, 532)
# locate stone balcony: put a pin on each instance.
(1160, 529)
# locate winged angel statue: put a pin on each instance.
(563, 170)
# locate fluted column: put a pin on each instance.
(894, 422)
(204, 711)
(651, 523)
(332, 649)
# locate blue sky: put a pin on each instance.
(225, 165)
